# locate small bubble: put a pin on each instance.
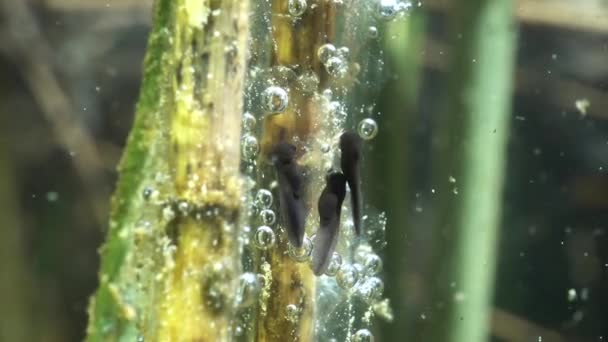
(336, 67)
(372, 32)
(344, 52)
(263, 198)
(334, 265)
(387, 9)
(249, 121)
(296, 7)
(367, 128)
(52, 196)
(292, 312)
(363, 335)
(248, 289)
(301, 254)
(168, 213)
(372, 264)
(264, 237)
(268, 217)
(249, 147)
(275, 99)
(347, 276)
(328, 94)
(571, 295)
(325, 148)
(147, 193)
(325, 52)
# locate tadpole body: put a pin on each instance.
(329, 206)
(350, 145)
(291, 192)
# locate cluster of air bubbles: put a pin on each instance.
(367, 129)
(249, 147)
(248, 290)
(347, 276)
(263, 199)
(334, 60)
(370, 289)
(370, 261)
(296, 8)
(292, 312)
(264, 237)
(268, 217)
(303, 253)
(334, 265)
(389, 9)
(308, 82)
(274, 100)
(336, 109)
(363, 335)
(249, 122)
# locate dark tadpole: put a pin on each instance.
(350, 145)
(291, 191)
(329, 206)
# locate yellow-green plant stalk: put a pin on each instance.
(170, 261)
(472, 144)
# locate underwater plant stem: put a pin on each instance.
(15, 278)
(403, 41)
(473, 141)
(291, 282)
(169, 263)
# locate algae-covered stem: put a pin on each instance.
(297, 39)
(169, 262)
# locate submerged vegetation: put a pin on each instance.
(197, 247)
(303, 170)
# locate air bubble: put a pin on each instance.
(263, 198)
(275, 100)
(296, 7)
(344, 52)
(249, 121)
(147, 193)
(372, 32)
(325, 148)
(248, 290)
(347, 276)
(334, 265)
(363, 335)
(268, 217)
(325, 52)
(367, 128)
(336, 67)
(264, 237)
(372, 264)
(301, 254)
(292, 312)
(249, 147)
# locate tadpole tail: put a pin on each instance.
(355, 199)
(324, 247)
(294, 217)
